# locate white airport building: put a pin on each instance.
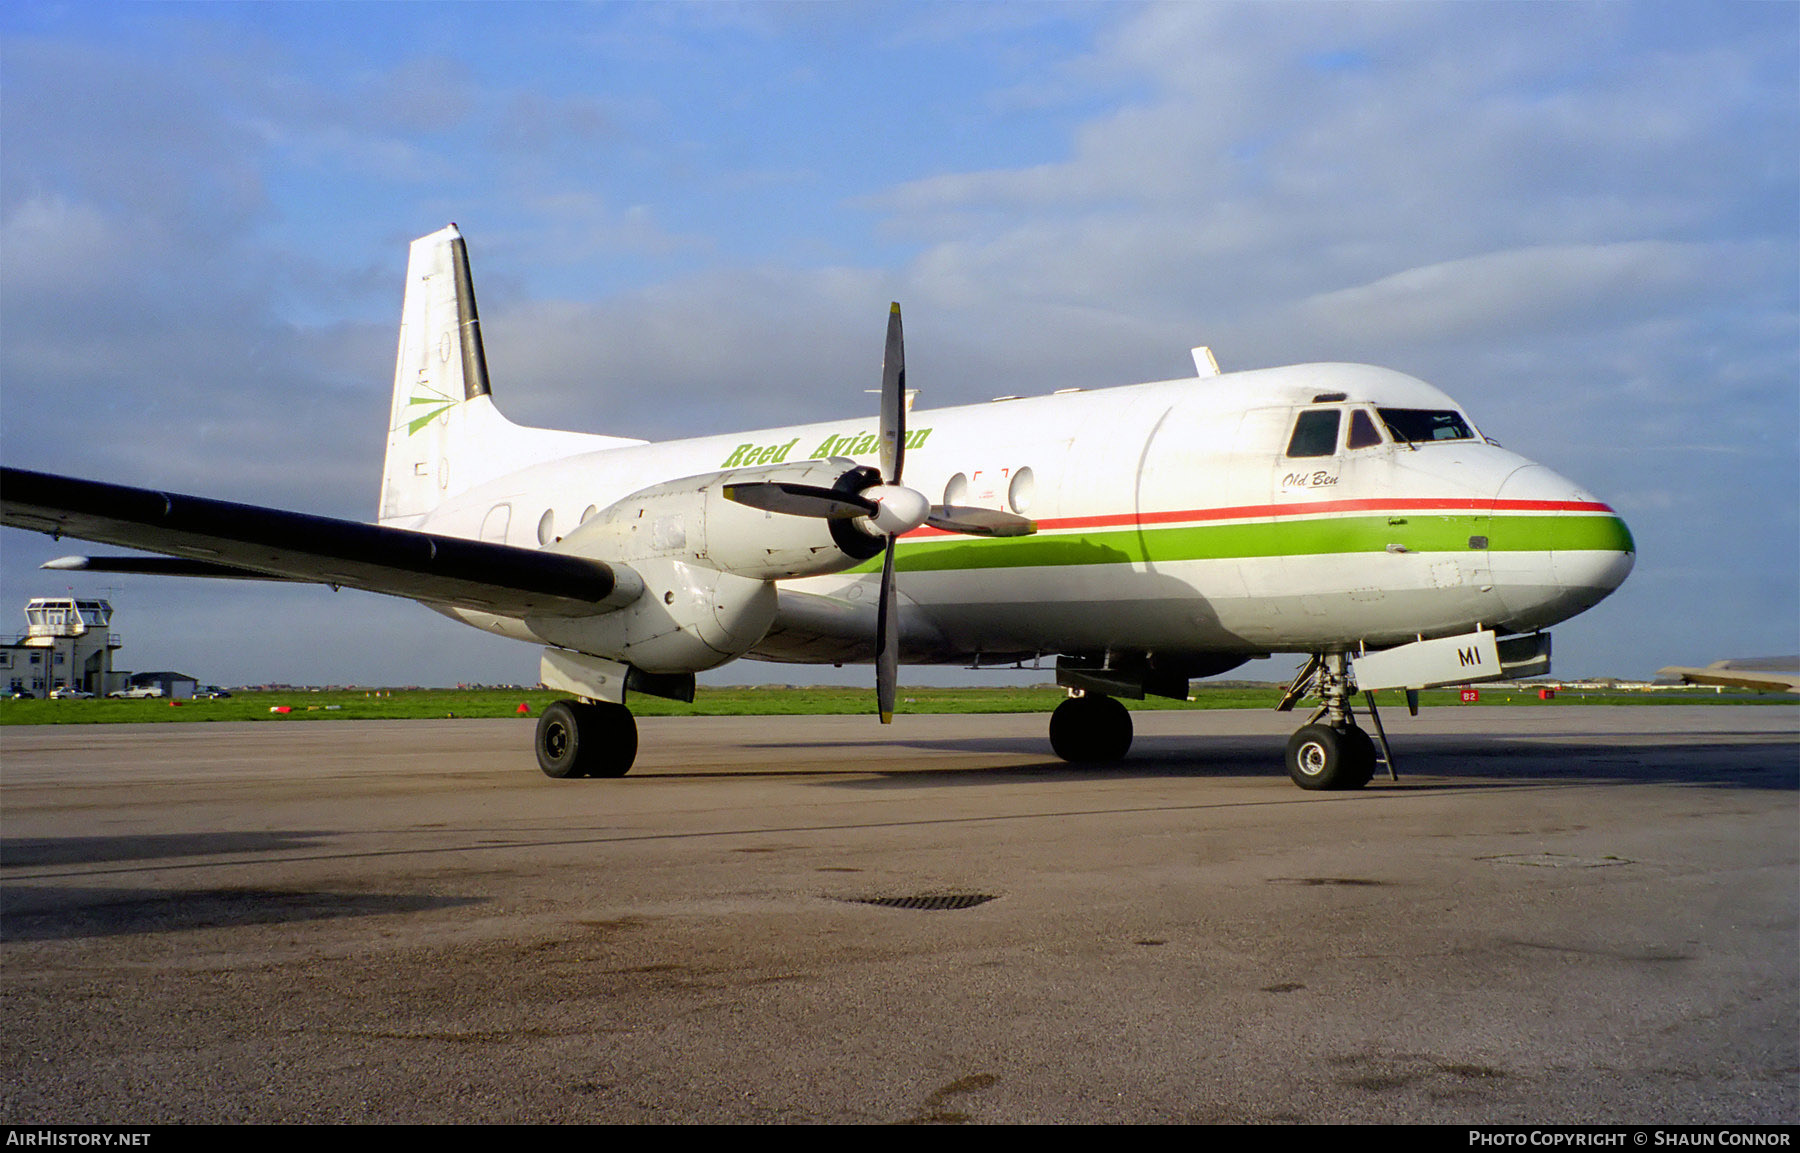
(67, 643)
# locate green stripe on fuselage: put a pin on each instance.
(1322, 536)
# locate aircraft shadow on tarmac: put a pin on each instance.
(38, 852)
(56, 912)
(53, 914)
(1759, 761)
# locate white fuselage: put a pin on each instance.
(1172, 518)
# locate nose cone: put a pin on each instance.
(1558, 550)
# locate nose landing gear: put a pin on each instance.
(1330, 751)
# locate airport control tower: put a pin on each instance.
(66, 645)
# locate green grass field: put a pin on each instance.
(408, 704)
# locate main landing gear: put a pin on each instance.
(1330, 751)
(1090, 729)
(586, 739)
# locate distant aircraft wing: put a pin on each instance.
(1763, 674)
(222, 539)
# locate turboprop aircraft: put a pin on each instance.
(1141, 536)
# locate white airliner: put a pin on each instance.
(1142, 536)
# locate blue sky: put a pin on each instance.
(1580, 220)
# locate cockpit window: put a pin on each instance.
(1315, 433)
(1417, 425)
(1362, 431)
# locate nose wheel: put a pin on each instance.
(1323, 757)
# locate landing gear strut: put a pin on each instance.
(586, 739)
(1334, 754)
(1090, 729)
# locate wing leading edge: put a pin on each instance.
(223, 539)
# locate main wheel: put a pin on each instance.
(1092, 730)
(583, 739)
(1321, 757)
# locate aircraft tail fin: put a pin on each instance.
(444, 433)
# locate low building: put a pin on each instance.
(174, 686)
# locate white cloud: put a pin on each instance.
(1501, 295)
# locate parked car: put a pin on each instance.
(211, 693)
(136, 692)
(18, 695)
(70, 693)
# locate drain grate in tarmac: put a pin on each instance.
(929, 901)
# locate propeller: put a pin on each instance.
(910, 506)
(889, 509)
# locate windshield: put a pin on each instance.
(1418, 425)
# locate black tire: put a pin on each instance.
(1090, 730)
(1361, 768)
(582, 739)
(1321, 757)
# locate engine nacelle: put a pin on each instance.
(690, 520)
(707, 564)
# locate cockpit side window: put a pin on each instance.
(1416, 425)
(1363, 433)
(1315, 433)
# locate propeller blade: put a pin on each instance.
(893, 401)
(801, 500)
(902, 510)
(979, 521)
(887, 640)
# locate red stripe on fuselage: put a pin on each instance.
(1267, 511)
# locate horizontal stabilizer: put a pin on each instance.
(220, 538)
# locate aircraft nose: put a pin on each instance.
(1569, 549)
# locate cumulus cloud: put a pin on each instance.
(1506, 294)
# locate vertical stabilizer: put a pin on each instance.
(444, 433)
(439, 366)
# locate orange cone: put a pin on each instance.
(524, 709)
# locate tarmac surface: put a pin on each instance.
(1557, 915)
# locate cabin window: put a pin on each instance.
(1417, 425)
(1315, 433)
(1363, 433)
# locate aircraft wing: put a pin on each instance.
(222, 539)
(1764, 674)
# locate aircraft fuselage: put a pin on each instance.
(1173, 518)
